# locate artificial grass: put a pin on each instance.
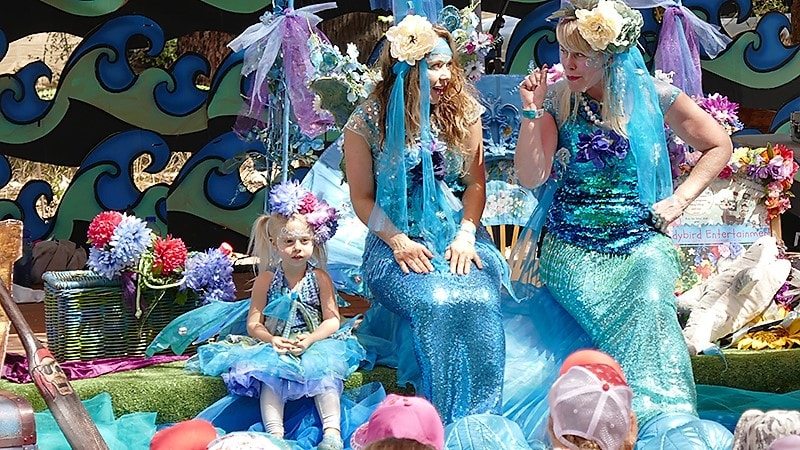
(177, 395)
(170, 391)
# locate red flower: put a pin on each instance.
(226, 248)
(170, 255)
(102, 228)
(726, 173)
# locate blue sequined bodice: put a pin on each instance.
(596, 207)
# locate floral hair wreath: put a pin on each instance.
(414, 38)
(289, 198)
(608, 26)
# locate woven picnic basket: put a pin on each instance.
(85, 318)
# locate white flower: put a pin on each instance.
(411, 39)
(600, 26)
(664, 76)
(352, 51)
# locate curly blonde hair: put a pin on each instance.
(453, 115)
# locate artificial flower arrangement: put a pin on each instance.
(607, 25)
(339, 80)
(123, 247)
(773, 167)
(472, 45)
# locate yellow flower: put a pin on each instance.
(774, 338)
(601, 25)
(411, 39)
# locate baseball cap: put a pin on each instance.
(194, 434)
(402, 417)
(591, 401)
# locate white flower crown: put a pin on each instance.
(608, 26)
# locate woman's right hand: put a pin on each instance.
(533, 88)
(411, 255)
(282, 345)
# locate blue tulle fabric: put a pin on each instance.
(302, 423)
(128, 432)
(246, 364)
(630, 83)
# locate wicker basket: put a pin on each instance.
(85, 318)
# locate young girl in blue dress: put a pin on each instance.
(294, 347)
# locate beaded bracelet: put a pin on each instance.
(532, 114)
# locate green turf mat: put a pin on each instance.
(177, 395)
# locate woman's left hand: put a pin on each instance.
(667, 211)
(461, 253)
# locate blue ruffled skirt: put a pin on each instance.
(244, 363)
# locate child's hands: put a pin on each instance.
(282, 345)
(301, 344)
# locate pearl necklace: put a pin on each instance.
(590, 115)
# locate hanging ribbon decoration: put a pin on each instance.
(286, 32)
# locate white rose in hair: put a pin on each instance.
(601, 25)
(411, 39)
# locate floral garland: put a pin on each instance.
(772, 166)
(289, 198)
(123, 247)
(472, 45)
(339, 80)
(608, 26)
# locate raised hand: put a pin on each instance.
(533, 88)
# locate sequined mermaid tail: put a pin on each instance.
(626, 305)
(456, 321)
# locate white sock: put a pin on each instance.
(271, 411)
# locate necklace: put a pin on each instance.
(589, 111)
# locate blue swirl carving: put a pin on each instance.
(27, 198)
(222, 190)
(770, 54)
(113, 71)
(5, 171)
(116, 190)
(231, 61)
(183, 98)
(3, 45)
(535, 21)
(784, 114)
(25, 106)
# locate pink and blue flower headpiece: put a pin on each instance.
(290, 198)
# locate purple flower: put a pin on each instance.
(210, 275)
(777, 169)
(439, 163)
(600, 148)
(286, 198)
(757, 172)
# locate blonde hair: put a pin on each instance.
(266, 229)
(458, 103)
(397, 444)
(612, 114)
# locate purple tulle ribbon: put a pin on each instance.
(128, 283)
(289, 31)
(678, 52)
